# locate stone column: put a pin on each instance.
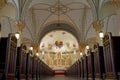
(98, 25)
(20, 26)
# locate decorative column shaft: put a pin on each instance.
(98, 25)
(20, 26)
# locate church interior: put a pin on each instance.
(59, 40)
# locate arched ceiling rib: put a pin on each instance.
(71, 13)
(60, 26)
(64, 2)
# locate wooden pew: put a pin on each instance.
(85, 66)
(99, 61)
(8, 52)
(21, 62)
(34, 68)
(29, 65)
(82, 68)
(0, 31)
(79, 68)
(90, 59)
(111, 48)
(37, 68)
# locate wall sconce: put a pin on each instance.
(81, 53)
(101, 34)
(37, 54)
(87, 47)
(31, 48)
(17, 35)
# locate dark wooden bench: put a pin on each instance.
(38, 69)
(85, 64)
(111, 48)
(99, 61)
(79, 68)
(29, 65)
(8, 52)
(0, 31)
(82, 67)
(90, 59)
(35, 67)
(21, 62)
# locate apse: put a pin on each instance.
(59, 49)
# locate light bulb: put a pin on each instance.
(87, 47)
(101, 34)
(17, 35)
(31, 48)
(37, 54)
(81, 53)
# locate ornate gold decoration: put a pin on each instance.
(2, 3)
(82, 46)
(49, 46)
(98, 25)
(20, 25)
(35, 47)
(58, 8)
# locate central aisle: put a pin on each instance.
(59, 77)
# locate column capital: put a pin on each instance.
(98, 25)
(20, 25)
(35, 47)
(82, 46)
(2, 3)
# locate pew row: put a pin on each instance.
(99, 62)
(21, 63)
(85, 67)
(90, 59)
(8, 52)
(111, 48)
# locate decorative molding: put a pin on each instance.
(98, 25)
(2, 3)
(20, 25)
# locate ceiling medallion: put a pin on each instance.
(58, 8)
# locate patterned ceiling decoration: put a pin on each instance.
(58, 8)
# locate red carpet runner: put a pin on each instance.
(59, 72)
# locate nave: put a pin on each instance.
(59, 39)
(16, 64)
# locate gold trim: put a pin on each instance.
(2, 3)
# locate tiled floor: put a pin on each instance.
(59, 77)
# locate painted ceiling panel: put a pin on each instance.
(69, 41)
